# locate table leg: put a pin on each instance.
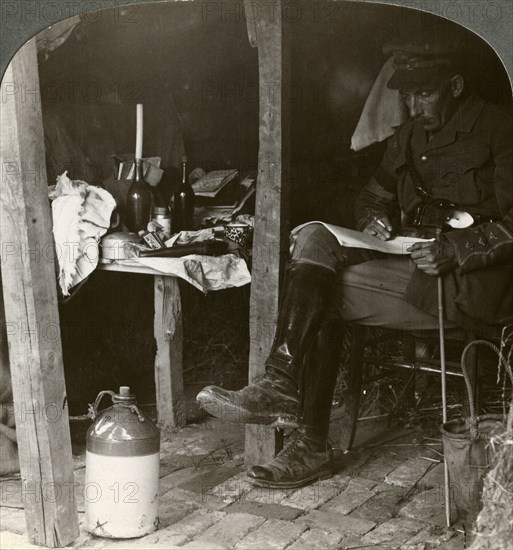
(168, 361)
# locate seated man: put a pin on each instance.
(454, 153)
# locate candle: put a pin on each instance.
(139, 132)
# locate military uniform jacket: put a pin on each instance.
(469, 161)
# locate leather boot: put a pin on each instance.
(274, 398)
(309, 456)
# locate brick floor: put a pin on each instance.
(356, 493)
(427, 506)
(408, 473)
(431, 535)
(379, 499)
(333, 522)
(173, 510)
(233, 488)
(383, 505)
(377, 468)
(274, 534)
(433, 478)
(265, 495)
(206, 481)
(394, 532)
(315, 495)
(204, 545)
(270, 511)
(316, 538)
(193, 524)
(231, 529)
(178, 477)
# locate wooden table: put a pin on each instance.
(168, 332)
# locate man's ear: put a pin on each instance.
(457, 85)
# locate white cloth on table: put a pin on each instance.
(81, 215)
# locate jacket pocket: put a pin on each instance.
(464, 175)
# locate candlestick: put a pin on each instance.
(139, 132)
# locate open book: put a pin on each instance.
(357, 239)
(210, 184)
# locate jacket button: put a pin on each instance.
(423, 158)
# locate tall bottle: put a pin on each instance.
(182, 204)
(138, 201)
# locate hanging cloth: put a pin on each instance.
(383, 111)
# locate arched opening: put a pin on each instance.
(209, 91)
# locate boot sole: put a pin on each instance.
(318, 476)
(228, 412)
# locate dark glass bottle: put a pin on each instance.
(182, 204)
(138, 201)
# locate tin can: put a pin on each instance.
(161, 215)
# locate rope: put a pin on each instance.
(93, 408)
(92, 411)
(136, 411)
(473, 422)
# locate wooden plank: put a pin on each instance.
(272, 200)
(30, 296)
(168, 361)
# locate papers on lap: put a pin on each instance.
(357, 239)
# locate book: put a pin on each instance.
(152, 172)
(231, 194)
(210, 184)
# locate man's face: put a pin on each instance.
(430, 104)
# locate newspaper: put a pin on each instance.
(206, 273)
(357, 239)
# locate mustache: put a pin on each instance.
(422, 119)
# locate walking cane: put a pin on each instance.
(447, 487)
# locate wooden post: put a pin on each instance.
(272, 200)
(32, 318)
(168, 361)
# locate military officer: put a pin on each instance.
(447, 172)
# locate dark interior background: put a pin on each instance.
(336, 56)
(197, 76)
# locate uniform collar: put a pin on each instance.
(462, 120)
(469, 112)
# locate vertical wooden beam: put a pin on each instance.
(272, 200)
(168, 361)
(32, 318)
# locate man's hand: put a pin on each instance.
(380, 227)
(434, 258)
